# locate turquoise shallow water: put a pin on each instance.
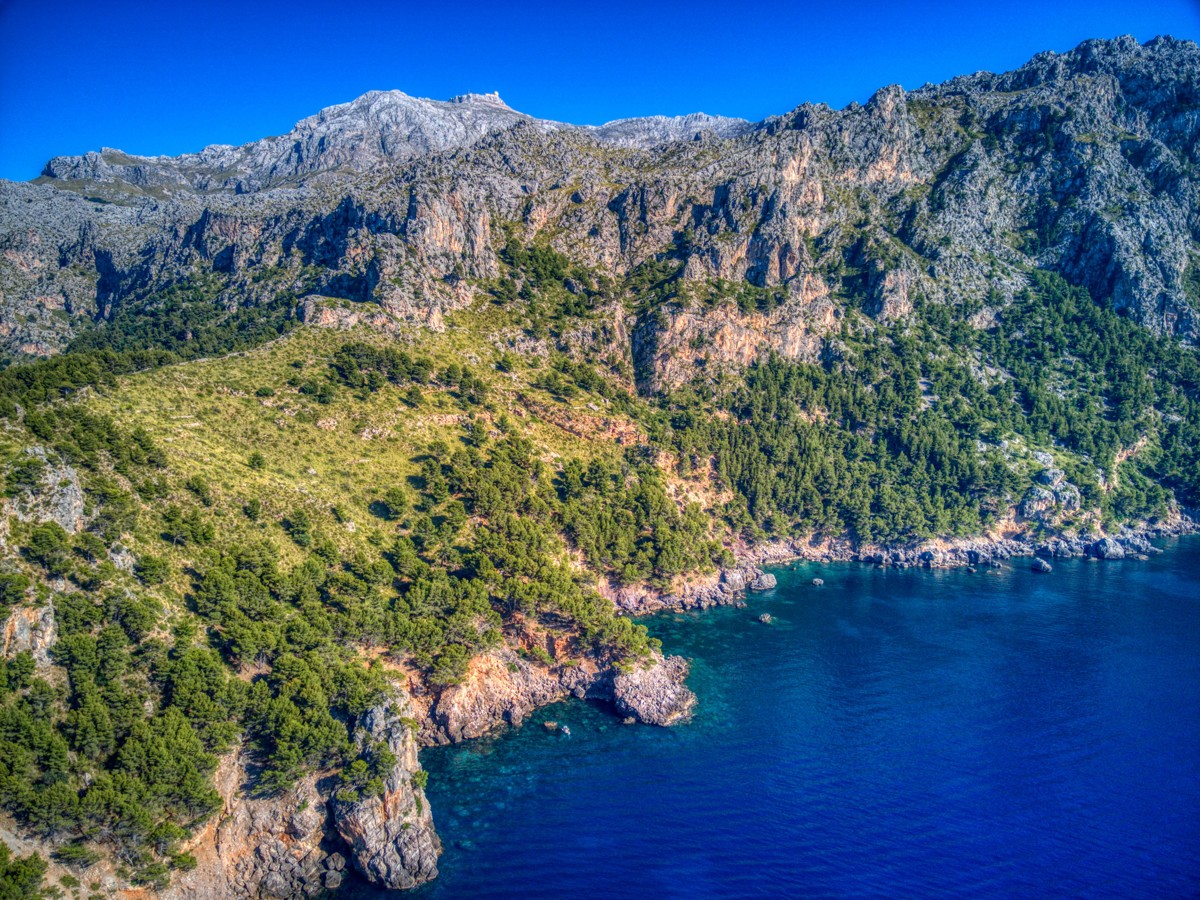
(907, 733)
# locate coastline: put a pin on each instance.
(729, 585)
(308, 840)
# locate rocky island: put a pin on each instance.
(373, 436)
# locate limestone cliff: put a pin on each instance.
(1082, 162)
(391, 835)
(303, 842)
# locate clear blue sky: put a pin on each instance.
(174, 76)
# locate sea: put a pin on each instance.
(891, 733)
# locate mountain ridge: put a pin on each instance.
(1080, 162)
(375, 128)
(314, 474)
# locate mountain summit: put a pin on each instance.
(1082, 163)
(376, 129)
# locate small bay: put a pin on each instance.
(892, 732)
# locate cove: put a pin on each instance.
(892, 732)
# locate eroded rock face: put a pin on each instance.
(31, 629)
(1082, 162)
(656, 693)
(58, 496)
(297, 843)
(503, 688)
(764, 582)
(259, 846)
(391, 836)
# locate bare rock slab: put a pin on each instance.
(656, 694)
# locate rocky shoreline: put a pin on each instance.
(503, 687)
(729, 586)
(304, 842)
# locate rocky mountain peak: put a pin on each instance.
(492, 99)
(1082, 163)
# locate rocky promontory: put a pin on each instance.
(391, 835)
(656, 693)
(503, 688)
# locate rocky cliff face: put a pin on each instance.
(1080, 162)
(261, 846)
(391, 835)
(304, 842)
(503, 688)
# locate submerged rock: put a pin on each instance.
(1040, 565)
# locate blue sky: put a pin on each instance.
(173, 77)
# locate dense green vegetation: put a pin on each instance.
(248, 613)
(20, 877)
(883, 440)
(123, 751)
(182, 322)
(186, 319)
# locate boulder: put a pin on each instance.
(733, 580)
(1040, 565)
(1108, 548)
(764, 582)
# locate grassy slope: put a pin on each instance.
(206, 417)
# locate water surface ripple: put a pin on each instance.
(908, 733)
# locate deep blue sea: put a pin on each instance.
(905, 733)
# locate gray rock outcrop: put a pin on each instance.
(656, 693)
(763, 582)
(1107, 548)
(57, 496)
(289, 845)
(391, 835)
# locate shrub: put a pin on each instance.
(49, 547)
(395, 502)
(152, 569)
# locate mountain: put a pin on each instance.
(378, 129)
(375, 435)
(1081, 163)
